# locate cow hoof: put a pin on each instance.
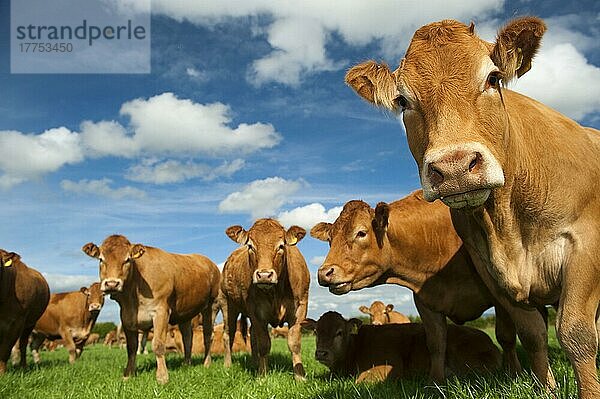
(162, 379)
(299, 378)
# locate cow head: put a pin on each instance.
(334, 334)
(448, 89)
(378, 312)
(356, 257)
(95, 297)
(267, 243)
(117, 257)
(8, 259)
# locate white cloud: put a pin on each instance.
(28, 156)
(66, 282)
(309, 215)
(195, 74)
(299, 35)
(165, 124)
(172, 171)
(107, 138)
(102, 188)
(317, 260)
(260, 198)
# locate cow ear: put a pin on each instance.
(321, 230)
(294, 234)
(375, 83)
(364, 309)
(354, 324)
(237, 234)
(10, 258)
(380, 222)
(516, 46)
(389, 308)
(91, 249)
(84, 290)
(309, 324)
(137, 251)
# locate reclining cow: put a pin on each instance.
(383, 314)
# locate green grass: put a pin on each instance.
(97, 374)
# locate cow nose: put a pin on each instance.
(453, 166)
(94, 306)
(110, 285)
(377, 323)
(326, 274)
(320, 354)
(265, 276)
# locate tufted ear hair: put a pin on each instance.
(389, 308)
(380, 222)
(354, 324)
(365, 309)
(237, 234)
(137, 251)
(294, 234)
(321, 231)
(309, 324)
(10, 258)
(375, 83)
(516, 45)
(85, 290)
(91, 250)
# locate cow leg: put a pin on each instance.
(131, 341)
(23, 341)
(36, 342)
(186, 336)
(69, 344)
(161, 325)
(294, 340)
(207, 331)
(142, 337)
(436, 336)
(15, 354)
(230, 315)
(506, 334)
(262, 341)
(576, 330)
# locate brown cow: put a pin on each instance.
(518, 175)
(378, 352)
(280, 332)
(383, 314)
(93, 339)
(155, 288)
(267, 280)
(240, 344)
(24, 295)
(70, 316)
(412, 243)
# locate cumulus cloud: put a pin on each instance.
(309, 215)
(299, 36)
(68, 282)
(101, 188)
(261, 198)
(107, 138)
(173, 171)
(28, 156)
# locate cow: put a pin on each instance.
(24, 295)
(379, 352)
(379, 314)
(518, 175)
(267, 280)
(411, 242)
(70, 316)
(93, 339)
(240, 343)
(280, 332)
(154, 288)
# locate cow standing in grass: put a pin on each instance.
(70, 316)
(266, 279)
(155, 288)
(520, 177)
(24, 295)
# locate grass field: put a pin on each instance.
(97, 374)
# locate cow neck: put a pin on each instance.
(87, 318)
(350, 366)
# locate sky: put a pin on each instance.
(244, 114)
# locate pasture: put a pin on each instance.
(97, 374)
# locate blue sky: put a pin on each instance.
(245, 114)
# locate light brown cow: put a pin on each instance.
(266, 279)
(70, 316)
(93, 339)
(379, 352)
(411, 242)
(379, 313)
(240, 344)
(24, 295)
(155, 288)
(280, 332)
(518, 175)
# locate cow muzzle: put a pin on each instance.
(94, 307)
(328, 276)
(322, 356)
(265, 278)
(461, 176)
(111, 285)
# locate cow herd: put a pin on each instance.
(517, 228)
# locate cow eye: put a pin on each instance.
(250, 247)
(361, 234)
(281, 247)
(402, 102)
(493, 80)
